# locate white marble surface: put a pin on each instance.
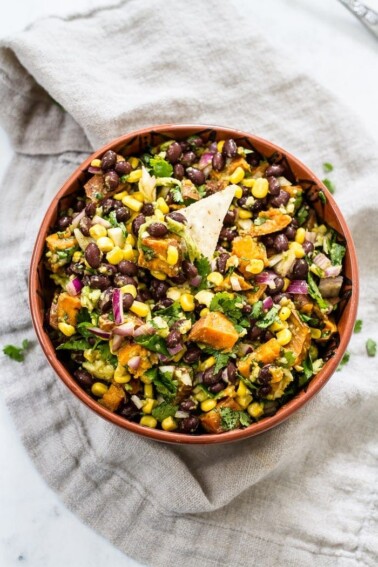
(324, 40)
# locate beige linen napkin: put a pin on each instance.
(302, 494)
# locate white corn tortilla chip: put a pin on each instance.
(205, 219)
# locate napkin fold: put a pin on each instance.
(302, 494)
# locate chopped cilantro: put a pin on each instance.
(257, 310)
(204, 268)
(327, 167)
(302, 215)
(16, 353)
(259, 221)
(74, 344)
(358, 326)
(344, 360)
(309, 320)
(230, 306)
(231, 419)
(330, 186)
(148, 253)
(371, 347)
(176, 194)
(245, 420)
(170, 314)
(308, 371)
(164, 384)
(155, 343)
(163, 411)
(290, 357)
(337, 254)
(322, 197)
(104, 350)
(202, 191)
(161, 167)
(269, 318)
(314, 292)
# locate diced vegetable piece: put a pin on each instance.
(271, 221)
(53, 314)
(301, 337)
(129, 352)
(113, 397)
(153, 254)
(330, 287)
(254, 296)
(95, 188)
(266, 353)
(189, 190)
(235, 282)
(67, 308)
(215, 330)
(211, 421)
(247, 248)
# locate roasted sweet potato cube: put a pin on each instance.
(113, 397)
(68, 308)
(189, 190)
(301, 337)
(255, 295)
(95, 188)
(57, 241)
(153, 254)
(246, 249)
(265, 353)
(215, 330)
(274, 221)
(129, 351)
(211, 421)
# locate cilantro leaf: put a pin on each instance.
(314, 292)
(358, 326)
(290, 357)
(204, 268)
(330, 186)
(268, 319)
(230, 306)
(148, 252)
(229, 419)
(170, 314)
(155, 343)
(371, 347)
(245, 419)
(309, 320)
(25, 344)
(337, 253)
(259, 221)
(176, 194)
(308, 371)
(161, 167)
(165, 386)
(74, 344)
(327, 167)
(163, 411)
(257, 310)
(15, 353)
(221, 361)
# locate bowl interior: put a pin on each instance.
(41, 287)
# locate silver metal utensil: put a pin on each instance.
(367, 16)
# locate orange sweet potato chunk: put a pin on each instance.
(128, 351)
(211, 421)
(216, 330)
(265, 353)
(247, 248)
(156, 260)
(68, 308)
(275, 221)
(254, 296)
(301, 337)
(113, 397)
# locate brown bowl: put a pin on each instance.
(40, 288)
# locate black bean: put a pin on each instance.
(290, 232)
(157, 229)
(254, 333)
(111, 180)
(64, 222)
(253, 158)
(230, 148)
(189, 269)
(122, 214)
(195, 142)
(264, 390)
(178, 217)
(300, 269)
(130, 412)
(143, 295)
(108, 205)
(247, 309)
(268, 241)
(137, 223)
(274, 186)
(280, 243)
(180, 279)
(84, 225)
(163, 304)
(79, 205)
(77, 356)
(178, 171)
(107, 269)
(173, 339)
(277, 298)
(209, 378)
(264, 375)
(147, 210)
(231, 372)
(230, 217)
(259, 204)
(184, 145)
(189, 424)
(216, 388)
(188, 158)
(90, 210)
(121, 280)
(242, 202)
(295, 223)
(268, 335)
(192, 355)
(188, 405)
(127, 300)
(278, 286)
(276, 170)
(128, 268)
(195, 175)
(218, 161)
(281, 199)
(105, 303)
(122, 168)
(228, 234)
(77, 268)
(173, 153)
(83, 378)
(159, 289)
(93, 255)
(108, 160)
(308, 247)
(221, 262)
(99, 282)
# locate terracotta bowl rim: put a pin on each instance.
(265, 424)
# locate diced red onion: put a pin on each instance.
(146, 329)
(100, 220)
(332, 271)
(181, 414)
(163, 358)
(235, 284)
(198, 379)
(134, 362)
(267, 303)
(207, 170)
(137, 401)
(117, 302)
(175, 350)
(117, 341)
(205, 160)
(245, 349)
(196, 281)
(310, 236)
(266, 278)
(330, 287)
(224, 376)
(213, 264)
(100, 332)
(77, 219)
(298, 286)
(125, 330)
(322, 261)
(94, 170)
(74, 287)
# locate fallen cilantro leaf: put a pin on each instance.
(330, 186)
(358, 326)
(371, 347)
(327, 167)
(176, 194)
(16, 353)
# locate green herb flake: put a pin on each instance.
(308, 371)
(344, 360)
(16, 353)
(337, 254)
(302, 215)
(327, 167)
(165, 386)
(74, 344)
(204, 268)
(330, 186)
(231, 419)
(176, 194)
(269, 318)
(230, 306)
(259, 221)
(164, 410)
(257, 310)
(322, 197)
(245, 419)
(148, 253)
(161, 167)
(358, 326)
(314, 292)
(371, 347)
(155, 343)
(290, 358)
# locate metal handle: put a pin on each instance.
(367, 16)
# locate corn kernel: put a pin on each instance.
(148, 421)
(140, 309)
(284, 313)
(215, 278)
(208, 405)
(76, 257)
(66, 329)
(297, 249)
(159, 215)
(120, 196)
(159, 275)
(148, 405)
(105, 244)
(116, 234)
(284, 337)
(174, 293)
(220, 145)
(286, 284)
(134, 176)
(148, 391)
(131, 289)
(249, 182)
(129, 253)
(204, 297)
(115, 256)
(187, 302)
(255, 410)
(99, 389)
(121, 376)
(172, 255)
(132, 204)
(315, 333)
(237, 176)
(162, 205)
(205, 311)
(313, 352)
(133, 161)
(255, 266)
(97, 231)
(96, 163)
(228, 392)
(243, 214)
(238, 193)
(145, 379)
(138, 196)
(179, 355)
(242, 389)
(169, 424)
(130, 239)
(260, 188)
(277, 326)
(206, 364)
(244, 401)
(300, 235)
